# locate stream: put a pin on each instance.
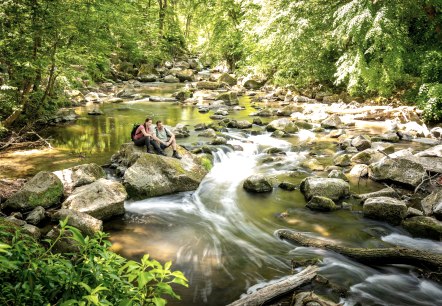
(222, 237)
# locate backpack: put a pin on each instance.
(134, 130)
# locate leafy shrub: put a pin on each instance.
(431, 68)
(34, 275)
(430, 101)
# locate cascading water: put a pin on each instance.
(223, 239)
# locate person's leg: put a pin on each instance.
(143, 141)
(174, 147)
(157, 147)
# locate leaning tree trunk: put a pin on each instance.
(379, 256)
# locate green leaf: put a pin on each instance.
(159, 301)
(144, 278)
(167, 265)
(180, 281)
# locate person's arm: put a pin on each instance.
(145, 133)
(171, 135)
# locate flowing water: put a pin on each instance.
(222, 237)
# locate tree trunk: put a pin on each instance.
(161, 14)
(392, 255)
(274, 290)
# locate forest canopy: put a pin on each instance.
(364, 47)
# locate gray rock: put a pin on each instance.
(336, 133)
(87, 224)
(388, 137)
(44, 189)
(219, 141)
(252, 84)
(147, 78)
(384, 147)
(185, 75)
(263, 113)
(15, 221)
(32, 230)
(243, 124)
(321, 204)
(386, 209)
(79, 175)
(367, 157)
(227, 78)
(331, 188)
(171, 79)
(287, 186)
(200, 127)
(413, 212)
(208, 133)
(386, 192)
(337, 174)
(332, 122)
(64, 244)
(283, 124)
(101, 199)
(359, 170)
(361, 142)
(257, 121)
(432, 204)
(257, 184)
(436, 132)
(154, 175)
(36, 216)
(207, 85)
(312, 164)
(342, 160)
(398, 170)
(95, 112)
(230, 98)
(425, 227)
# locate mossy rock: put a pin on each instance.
(321, 204)
(424, 227)
(44, 189)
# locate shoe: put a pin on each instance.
(176, 155)
(149, 150)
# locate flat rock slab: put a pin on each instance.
(386, 209)
(398, 170)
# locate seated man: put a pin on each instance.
(167, 138)
(144, 135)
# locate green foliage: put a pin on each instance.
(430, 101)
(34, 275)
(431, 67)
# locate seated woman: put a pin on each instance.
(144, 135)
(167, 138)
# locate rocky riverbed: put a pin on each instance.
(329, 131)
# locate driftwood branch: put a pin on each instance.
(378, 256)
(274, 290)
(21, 140)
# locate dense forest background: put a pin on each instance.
(365, 47)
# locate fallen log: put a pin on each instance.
(377, 256)
(274, 290)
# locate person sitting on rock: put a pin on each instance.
(167, 138)
(145, 135)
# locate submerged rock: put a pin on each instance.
(154, 175)
(321, 204)
(287, 186)
(332, 188)
(425, 227)
(257, 184)
(398, 170)
(386, 209)
(44, 189)
(102, 199)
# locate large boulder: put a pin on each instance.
(398, 170)
(425, 227)
(87, 224)
(79, 175)
(432, 204)
(332, 122)
(102, 199)
(386, 209)
(154, 175)
(44, 189)
(228, 79)
(331, 188)
(257, 184)
(361, 142)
